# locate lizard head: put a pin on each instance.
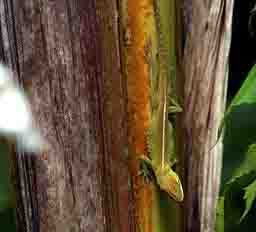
(169, 182)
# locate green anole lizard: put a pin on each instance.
(161, 145)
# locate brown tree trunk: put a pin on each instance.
(66, 55)
(205, 65)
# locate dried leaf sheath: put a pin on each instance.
(138, 35)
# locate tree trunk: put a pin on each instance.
(205, 63)
(66, 55)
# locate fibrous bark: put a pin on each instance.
(205, 62)
(66, 55)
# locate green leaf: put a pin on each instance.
(234, 204)
(247, 93)
(239, 161)
(240, 132)
(234, 196)
(248, 163)
(249, 196)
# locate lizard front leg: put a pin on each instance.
(146, 168)
(173, 106)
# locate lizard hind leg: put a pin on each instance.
(146, 169)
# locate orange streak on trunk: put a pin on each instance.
(138, 77)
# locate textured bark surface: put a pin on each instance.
(205, 57)
(136, 19)
(66, 54)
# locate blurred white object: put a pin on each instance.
(16, 119)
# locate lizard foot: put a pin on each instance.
(173, 107)
(146, 169)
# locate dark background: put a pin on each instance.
(243, 45)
